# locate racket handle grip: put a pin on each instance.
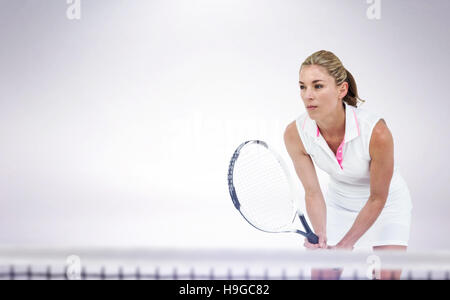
(312, 238)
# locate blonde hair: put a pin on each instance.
(335, 68)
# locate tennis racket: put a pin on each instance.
(262, 191)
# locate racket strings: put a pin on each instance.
(263, 189)
(268, 204)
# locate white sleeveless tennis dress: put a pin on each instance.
(349, 185)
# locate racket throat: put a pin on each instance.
(309, 234)
(304, 223)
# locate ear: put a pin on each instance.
(343, 89)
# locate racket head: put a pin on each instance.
(261, 188)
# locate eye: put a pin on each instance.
(302, 87)
(319, 85)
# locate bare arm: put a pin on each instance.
(381, 169)
(304, 167)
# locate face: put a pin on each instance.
(320, 94)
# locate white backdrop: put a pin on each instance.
(116, 129)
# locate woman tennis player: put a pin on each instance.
(367, 201)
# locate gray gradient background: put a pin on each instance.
(117, 129)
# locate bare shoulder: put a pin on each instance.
(381, 139)
(292, 139)
(291, 131)
(381, 132)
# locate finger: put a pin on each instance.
(322, 242)
(313, 246)
(310, 246)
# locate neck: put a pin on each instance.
(333, 126)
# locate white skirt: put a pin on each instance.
(392, 226)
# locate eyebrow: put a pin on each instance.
(317, 80)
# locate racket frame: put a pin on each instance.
(308, 233)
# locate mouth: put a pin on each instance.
(311, 107)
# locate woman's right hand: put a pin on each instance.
(321, 245)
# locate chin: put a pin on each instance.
(312, 115)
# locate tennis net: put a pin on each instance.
(217, 264)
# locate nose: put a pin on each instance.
(308, 95)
